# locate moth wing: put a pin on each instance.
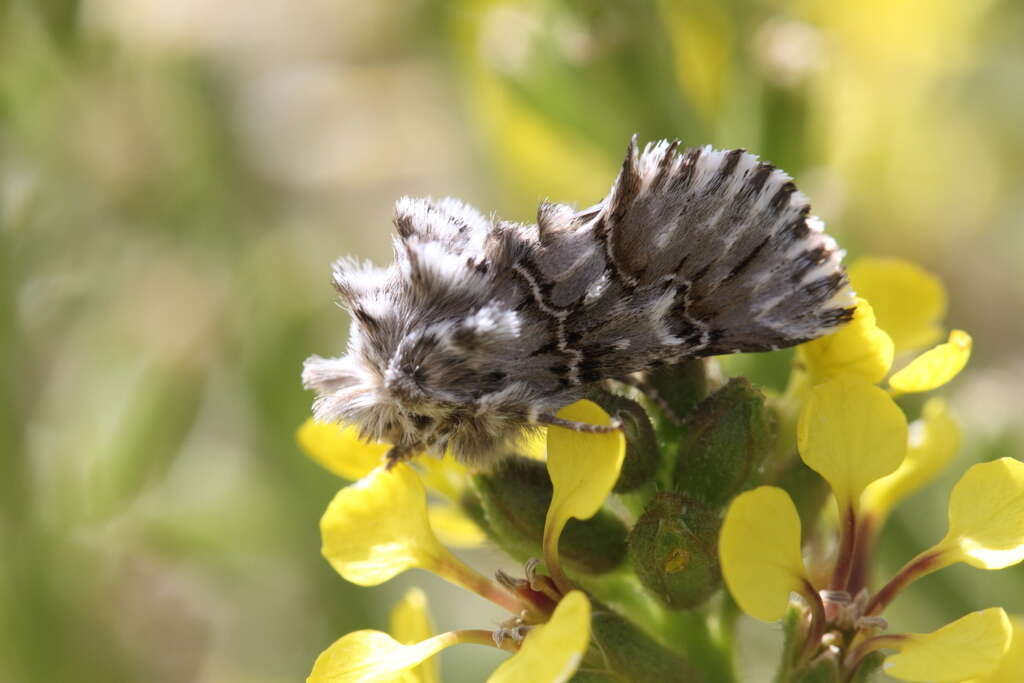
(732, 238)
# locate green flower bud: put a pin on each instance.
(679, 388)
(515, 497)
(642, 452)
(632, 655)
(728, 438)
(674, 550)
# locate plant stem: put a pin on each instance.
(847, 542)
(479, 636)
(922, 565)
(868, 646)
(464, 576)
(816, 627)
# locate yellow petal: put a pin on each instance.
(934, 367)
(970, 646)
(454, 528)
(859, 348)
(933, 441)
(1011, 665)
(909, 301)
(377, 528)
(851, 433)
(535, 445)
(410, 623)
(583, 467)
(339, 448)
(759, 547)
(373, 657)
(986, 515)
(446, 476)
(552, 652)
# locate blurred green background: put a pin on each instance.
(176, 177)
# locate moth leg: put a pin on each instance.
(654, 396)
(396, 455)
(554, 421)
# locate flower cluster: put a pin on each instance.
(855, 436)
(383, 525)
(625, 538)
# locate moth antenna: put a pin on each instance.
(583, 427)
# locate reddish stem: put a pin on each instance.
(863, 550)
(853, 659)
(847, 541)
(922, 565)
(816, 627)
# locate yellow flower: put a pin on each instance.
(986, 515)
(860, 348)
(759, 547)
(1012, 663)
(908, 301)
(933, 441)
(375, 657)
(935, 367)
(453, 528)
(339, 449)
(986, 527)
(410, 623)
(970, 646)
(379, 527)
(583, 470)
(551, 652)
(851, 433)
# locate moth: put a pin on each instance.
(482, 329)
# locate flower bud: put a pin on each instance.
(728, 438)
(631, 655)
(674, 549)
(680, 388)
(515, 497)
(642, 452)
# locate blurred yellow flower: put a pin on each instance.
(410, 623)
(553, 651)
(970, 646)
(759, 547)
(583, 469)
(909, 301)
(861, 348)
(933, 441)
(851, 433)
(339, 449)
(1012, 663)
(378, 527)
(935, 367)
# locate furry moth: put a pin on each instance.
(482, 329)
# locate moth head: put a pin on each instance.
(403, 389)
(352, 391)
